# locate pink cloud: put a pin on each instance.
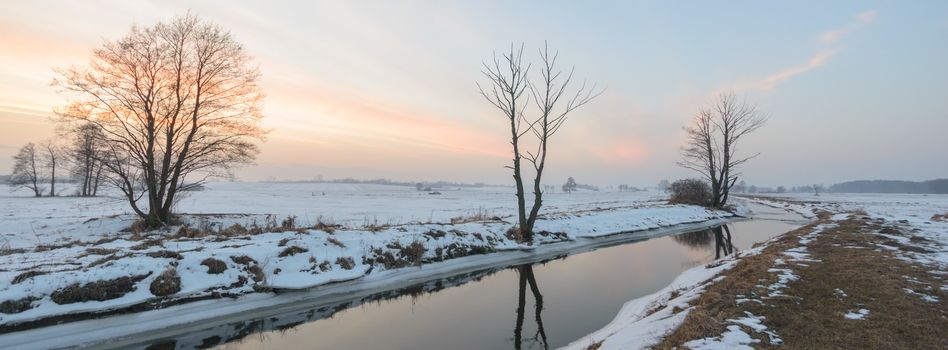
(820, 58)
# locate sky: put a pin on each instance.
(386, 89)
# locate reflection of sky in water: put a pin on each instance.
(581, 294)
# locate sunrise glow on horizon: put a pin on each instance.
(387, 90)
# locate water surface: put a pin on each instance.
(542, 305)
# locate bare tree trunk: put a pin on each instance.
(35, 177)
(95, 183)
(52, 156)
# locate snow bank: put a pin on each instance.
(292, 258)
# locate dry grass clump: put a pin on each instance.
(167, 283)
(412, 253)
(27, 275)
(292, 250)
(335, 242)
(346, 263)
(514, 234)
(99, 251)
(243, 260)
(940, 217)
(480, 214)
(146, 244)
(594, 346)
(326, 226)
(436, 234)
(96, 291)
(107, 259)
(214, 266)
(165, 254)
(404, 255)
(16, 306)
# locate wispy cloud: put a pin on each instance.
(818, 60)
(828, 39)
(862, 19)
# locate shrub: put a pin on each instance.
(413, 253)
(690, 191)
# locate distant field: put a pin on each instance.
(28, 221)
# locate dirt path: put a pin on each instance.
(848, 283)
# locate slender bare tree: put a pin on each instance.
(87, 154)
(25, 170)
(177, 103)
(554, 104)
(508, 77)
(713, 138)
(52, 156)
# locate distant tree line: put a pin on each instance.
(938, 186)
(40, 166)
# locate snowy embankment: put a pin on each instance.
(919, 215)
(642, 322)
(645, 321)
(217, 255)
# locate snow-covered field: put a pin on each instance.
(644, 321)
(921, 215)
(28, 221)
(68, 255)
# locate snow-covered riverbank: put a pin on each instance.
(236, 254)
(922, 240)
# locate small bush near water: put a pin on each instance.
(690, 191)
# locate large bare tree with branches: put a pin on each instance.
(508, 81)
(713, 137)
(177, 103)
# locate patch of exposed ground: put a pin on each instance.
(843, 284)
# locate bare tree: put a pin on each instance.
(25, 170)
(508, 82)
(554, 104)
(87, 154)
(52, 156)
(712, 143)
(570, 185)
(177, 103)
(508, 78)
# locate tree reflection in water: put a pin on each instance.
(525, 273)
(720, 236)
